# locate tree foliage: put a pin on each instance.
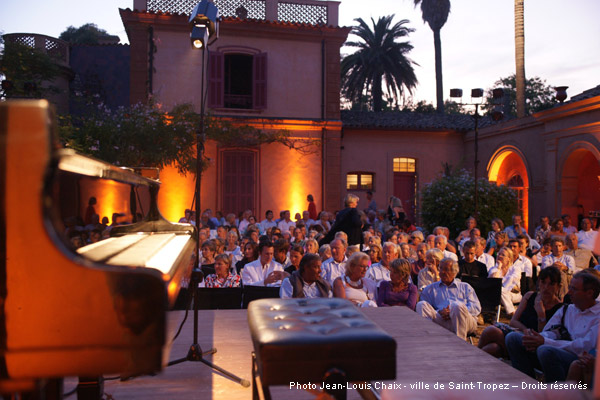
(146, 136)
(538, 95)
(30, 72)
(85, 34)
(380, 59)
(449, 201)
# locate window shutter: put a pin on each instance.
(259, 90)
(216, 74)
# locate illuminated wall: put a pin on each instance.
(580, 183)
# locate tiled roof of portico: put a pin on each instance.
(410, 120)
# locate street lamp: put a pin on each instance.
(496, 114)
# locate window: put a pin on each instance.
(516, 183)
(237, 81)
(360, 180)
(403, 164)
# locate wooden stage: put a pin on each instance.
(426, 353)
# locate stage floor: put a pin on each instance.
(426, 353)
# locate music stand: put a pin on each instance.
(195, 352)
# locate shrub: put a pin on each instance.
(450, 199)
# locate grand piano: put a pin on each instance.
(96, 310)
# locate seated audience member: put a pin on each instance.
(501, 240)
(336, 264)
(516, 228)
(268, 222)
(311, 246)
(470, 223)
(440, 242)
(416, 238)
(450, 303)
(325, 252)
(583, 258)
(497, 227)
(543, 230)
(381, 271)
(511, 279)
(265, 271)
(419, 263)
(306, 282)
(296, 253)
(482, 256)
(208, 257)
(353, 285)
(582, 369)
(250, 254)
(223, 277)
(554, 348)
(375, 253)
(469, 265)
(324, 221)
(286, 222)
(556, 229)
(543, 251)
(399, 291)
(586, 236)
(534, 311)
(430, 273)
(567, 226)
(406, 252)
(430, 241)
(564, 262)
(232, 246)
(282, 248)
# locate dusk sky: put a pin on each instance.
(562, 38)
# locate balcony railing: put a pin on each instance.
(55, 48)
(313, 12)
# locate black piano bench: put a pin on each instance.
(317, 344)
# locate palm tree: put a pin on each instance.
(379, 57)
(435, 13)
(520, 56)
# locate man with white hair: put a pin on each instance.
(335, 265)
(440, 243)
(381, 270)
(449, 302)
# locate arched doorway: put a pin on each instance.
(580, 182)
(507, 167)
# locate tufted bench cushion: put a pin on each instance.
(300, 340)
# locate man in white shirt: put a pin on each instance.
(556, 352)
(264, 271)
(482, 256)
(586, 236)
(335, 265)
(440, 242)
(381, 270)
(286, 222)
(268, 222)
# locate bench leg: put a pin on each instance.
(335, 383)
(259, 391)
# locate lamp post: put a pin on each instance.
(496, 115)
(204, 25)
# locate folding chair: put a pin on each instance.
(219, 298)
(488, 291)
(250, 293)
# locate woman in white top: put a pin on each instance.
(511, 279)
(353, 285)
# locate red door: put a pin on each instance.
(405, 189)
(238, 185)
